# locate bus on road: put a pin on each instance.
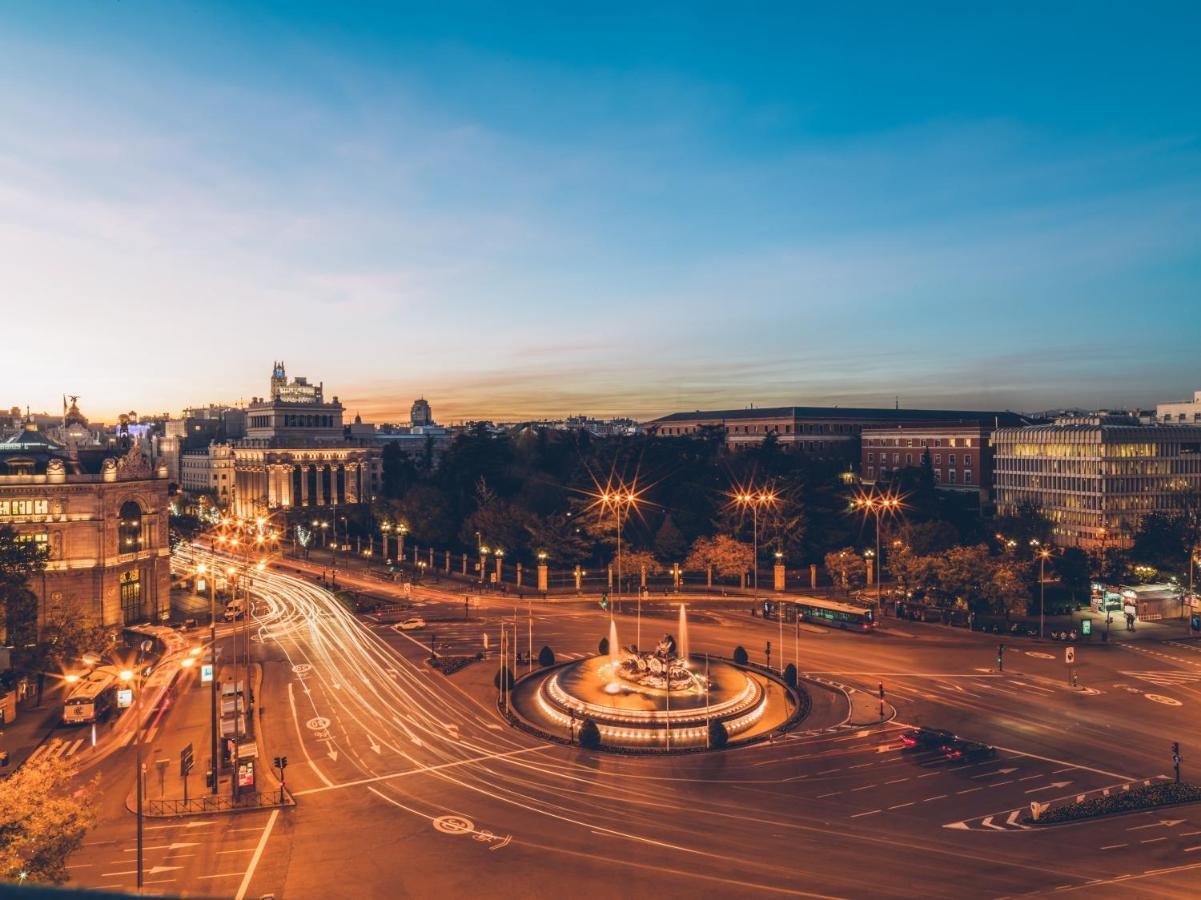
(92, 699)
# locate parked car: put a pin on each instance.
(967, 751)
(926, 738)
(411, 624)
(234, 610)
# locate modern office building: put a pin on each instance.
(1095, 477)
(101, 514)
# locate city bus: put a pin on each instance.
(93, 697)
(824, 612)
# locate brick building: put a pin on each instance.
(960, 454)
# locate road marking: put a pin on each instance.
(1191, 849)
(832, 794)
(870, 812)
(304, 747)
(935, 797)
(222, 875)
(968, 791)
(902, 805)
(1114, 846)
(1153, 840)
(418, 771)
(258, 853)
(866, 787)
(1031, 777)
(896, 781)
(1166, 701)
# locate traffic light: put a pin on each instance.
(881, 690)
(604, 601)
(1175, 751)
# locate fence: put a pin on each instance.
(221, 803)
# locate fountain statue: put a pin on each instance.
(661, 668)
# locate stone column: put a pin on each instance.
(365, 482)
(352, 478)
(272, 485)
(304, 485)
(320, 470)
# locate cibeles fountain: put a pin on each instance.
(659, 699)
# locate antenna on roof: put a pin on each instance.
(897, 401)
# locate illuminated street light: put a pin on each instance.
(877, 503)
(754, 500)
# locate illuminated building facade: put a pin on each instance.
(960, 454)
(102, 515)
(1095, 477)
(296, 452)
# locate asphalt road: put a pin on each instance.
(410, 784)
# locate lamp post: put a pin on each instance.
(213, 671)
(755, 500)
(620, 501)
(129, 677)
(384, 528)
(1042, 553)
(877, 503)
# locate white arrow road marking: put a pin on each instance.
(1054, 785)
(996, 772)
(373, 743)
(987, 822)
(960, 825)
(1162, 823)
(174, 846)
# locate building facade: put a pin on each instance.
(102, 518)
(1095, 477)
(820, 431)
(209, 471)
(1183, 412)
(960, 454)
(297, 453)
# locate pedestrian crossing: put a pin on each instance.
(58, 748)
(1166, 678)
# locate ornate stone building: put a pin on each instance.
(296, 452)
(102, 513)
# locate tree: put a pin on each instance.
(740, 655)
(633, 562)
(790, 675)
(718, 735)
(546, 657)
(399, 471)
(43, 820)
(590, 736)
(847, 568)
(729, 557)
(916, 574)
(509, 679)
(965, 575)
(1073, 569)
(603, 647)
(1161, 542)
(670, 544)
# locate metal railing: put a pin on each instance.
(210, 804)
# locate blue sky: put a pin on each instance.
(537, 211)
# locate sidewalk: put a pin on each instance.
(191, 724)
(34, 725)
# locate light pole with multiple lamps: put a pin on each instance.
(1042, 553)
(877, 503)
(756, 500)
(620, 500)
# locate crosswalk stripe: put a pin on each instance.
(74, 747)
(44, 750)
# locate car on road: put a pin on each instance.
(411, 624)
(926, 738)
(967, 751)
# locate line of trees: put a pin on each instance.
(529, 492)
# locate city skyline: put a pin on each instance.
(534, 216)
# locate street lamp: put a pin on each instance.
(755, 500)
(1042, 553)
(620, 498)
(128, 676)
(877, 503)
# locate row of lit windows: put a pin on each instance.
(918, 442)
(896, 458)
(952, 476)
(9, 508)
(299, 420)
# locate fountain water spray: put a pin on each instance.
(682, 638)
(614, 647)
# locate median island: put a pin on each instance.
(1137, 799)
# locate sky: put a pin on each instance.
(537, 210)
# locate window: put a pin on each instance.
(871, 471)
(896, 459)
(908, 459)
(129, 528)
(871, 457)
(950, 459)
(967, 476)
(24, 507)
(131, 597)
(938, 459)
(951, 476)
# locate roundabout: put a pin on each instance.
(657, 701)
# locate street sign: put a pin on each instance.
(1086, 627)
(124, 698)
(187, 761)
(1069, 655)
(206, 673)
